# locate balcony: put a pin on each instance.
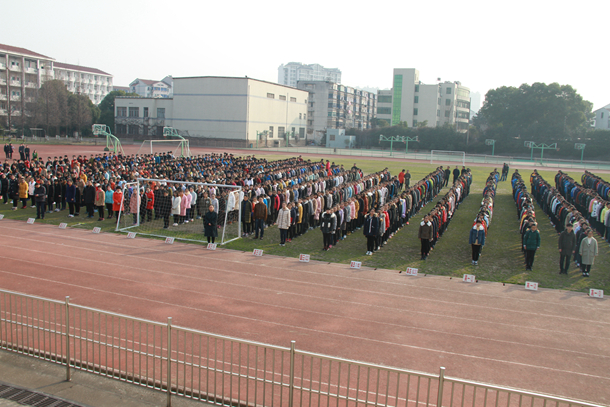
(30, 99)
(31, 85)
(3, 112)
(31, 70)
(2, 81)
(16, 83)
(15, 98)
(2, 66)
(2, 96)
(15, 68)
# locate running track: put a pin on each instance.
(548, 341)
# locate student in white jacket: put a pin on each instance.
(176, 207)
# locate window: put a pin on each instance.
(134, 112)
(385, 99)
(449, 91)
(416, 99)
(438, 113)
(414, 123)
(447, 102)
(439, 101)
(293, 99)
(447, 112)
(281, 132)
(301, 132)
(121, 112)
(121, 129)
(133, 129)
(304, 116)
(270, 95)
(602, 115)
(293, 132)
(160, 113)
(415, 112)
(270, 131)
(384, 110)
(145, 112)
(416, 88)
(300, 116)
(331, 137)
(282, 97)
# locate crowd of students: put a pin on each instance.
(478, 233)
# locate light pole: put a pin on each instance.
(581, 147)
(492, 143)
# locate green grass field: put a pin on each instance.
(501, 258)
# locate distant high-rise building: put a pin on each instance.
(415, 103)
(293, 72)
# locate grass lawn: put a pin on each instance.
(501, 258)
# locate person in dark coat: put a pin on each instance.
(89, 198)
(26, 151)
(246, 216)
(50, 194)
(22, 152)
(210, 221)
(40, 196)
(370, 229)
(164, 203)
(456, 174)
(4, 188)
(567, 246)
(425, 235)
(447, 176)
(71, 197)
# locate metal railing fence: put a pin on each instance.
(228, 371)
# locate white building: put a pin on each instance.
(436, 105)
(149, 88)
(384, 105)
(22, 72)
(293, 72)
(222, 110)
(601, 118)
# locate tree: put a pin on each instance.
(51, 107)
(538, 112)
(106, 107)
(82, 113)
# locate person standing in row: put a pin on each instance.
(260, 216)
(588, 251)
(40, 196)
(567, 244)
(477, 240)
(328, 224)
(370, 230)
(531, 243)
(425, 235)
(283, 223)
(210, 221)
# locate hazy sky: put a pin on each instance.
(483, 44)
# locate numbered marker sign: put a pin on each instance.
(1, 217)
(31, 221)
(211, 246)
(355, 264)
(63, 225)
(530, 285)
(304, 258)
(411, 271)
(97, 230)
(596, 293)
(257, 252)
(131, 235)
(469, 278)
(169, 240)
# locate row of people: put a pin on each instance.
(528, 227)
(478, 233)
(434, 224)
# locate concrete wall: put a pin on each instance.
(428, 107)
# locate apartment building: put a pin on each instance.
(22, 72)
(149, 88)
(335, 106)
(293, 72)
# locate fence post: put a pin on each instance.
(441, 382)
(68, 373)
(169, 362)
(291, 384)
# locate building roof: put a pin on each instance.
(16, 50)
(607, 107)
(79, 68)
(123, 88)
(238, 77)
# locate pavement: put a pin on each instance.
(85, 389)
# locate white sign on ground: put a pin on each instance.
(31, 221)
(530, 285)
(355, 264)
(411, 271)
(97, 230)
(63, 225)
(169, 240)
(131, 235)
(257, 252)
(1, 217)
(596, 293)
(211, 246)
(469, 278)
(304, 258)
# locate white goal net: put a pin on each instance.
(179, 148)
(441, 156)
(177, 209)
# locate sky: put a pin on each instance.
(482, 44)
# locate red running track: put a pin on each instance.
(547, 341)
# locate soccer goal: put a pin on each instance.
(440, 156)
(153, 207)
(179, 148)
